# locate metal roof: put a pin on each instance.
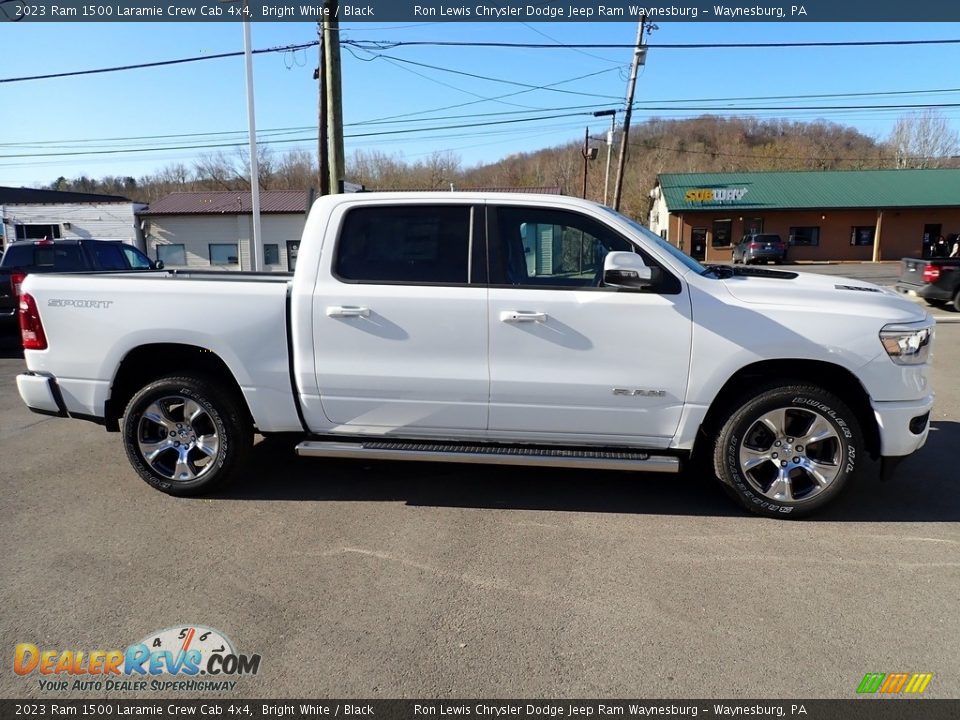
(35, 196)
(228, 202)
(804, 189)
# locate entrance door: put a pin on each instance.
(293, 247)
(571, 359)
(930, 234)
(698, 243)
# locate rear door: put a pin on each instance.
(400, 332)
(571, 360)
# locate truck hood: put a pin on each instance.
(823, 292)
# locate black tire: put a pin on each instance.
(745, 439)
(936, 303)
(955, 303)
(215, 444)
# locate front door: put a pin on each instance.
(698, 243)
(400, 335)
(571, 360)
(293, 248)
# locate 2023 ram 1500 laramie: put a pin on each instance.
(489, 328)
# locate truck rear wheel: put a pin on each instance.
(184, 435)
(788, 450)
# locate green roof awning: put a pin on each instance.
(875, 189)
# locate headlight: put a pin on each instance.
(907, 344)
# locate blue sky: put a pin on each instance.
(65, 115)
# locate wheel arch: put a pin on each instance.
(150, 362)
(834, 378)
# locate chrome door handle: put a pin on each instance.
(347, 311)
(515, 316)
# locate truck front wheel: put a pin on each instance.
(185, 435)
(788, 450)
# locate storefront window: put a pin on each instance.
(862, 235)
(753, 226)
(804, 236)
(722, 230)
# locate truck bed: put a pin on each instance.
(242, 317)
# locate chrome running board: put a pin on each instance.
(599, 459)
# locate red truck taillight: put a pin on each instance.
(931, 273)
(16, 280)
(31, 329)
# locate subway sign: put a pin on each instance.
(708, 195)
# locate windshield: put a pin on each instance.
(678, 254)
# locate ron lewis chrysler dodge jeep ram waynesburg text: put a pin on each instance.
(489, 328)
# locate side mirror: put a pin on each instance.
(158, 265)
(627, 270)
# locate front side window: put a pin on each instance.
(804, 236)
(862, 235)
(224, 254)
(542, 248)
(108, 257)
(405, 244)
(136, 259)
(172, 255)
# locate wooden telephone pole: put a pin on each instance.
(628, 113)
(334, 107)
(323, 164)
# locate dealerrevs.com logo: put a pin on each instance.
(894, 683)
(189, 658)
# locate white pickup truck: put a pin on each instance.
(489, 328)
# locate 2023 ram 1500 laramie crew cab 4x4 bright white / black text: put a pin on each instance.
(492, 328)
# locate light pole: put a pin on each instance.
(256, 249)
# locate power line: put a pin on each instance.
(388, 45)
(160, 63)
(391, 44)
(115, 151)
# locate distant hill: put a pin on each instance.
(705, 144)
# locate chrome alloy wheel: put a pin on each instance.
(791, 454)
(178, 438)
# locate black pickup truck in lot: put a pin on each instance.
(936, 280)
(43, 256)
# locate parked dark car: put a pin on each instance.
(760, 248)
(936, 280)
(44, 256)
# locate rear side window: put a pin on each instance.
(408, 244)
(59, 258)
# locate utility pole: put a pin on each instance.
(334, 109)
(322, 161)
(628, 113)
(256, 246)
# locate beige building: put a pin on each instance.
(204, 230)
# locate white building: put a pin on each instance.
(30, 214)
(214, 229)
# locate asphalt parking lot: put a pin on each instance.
(414, 580)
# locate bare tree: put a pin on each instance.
(923, 140)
